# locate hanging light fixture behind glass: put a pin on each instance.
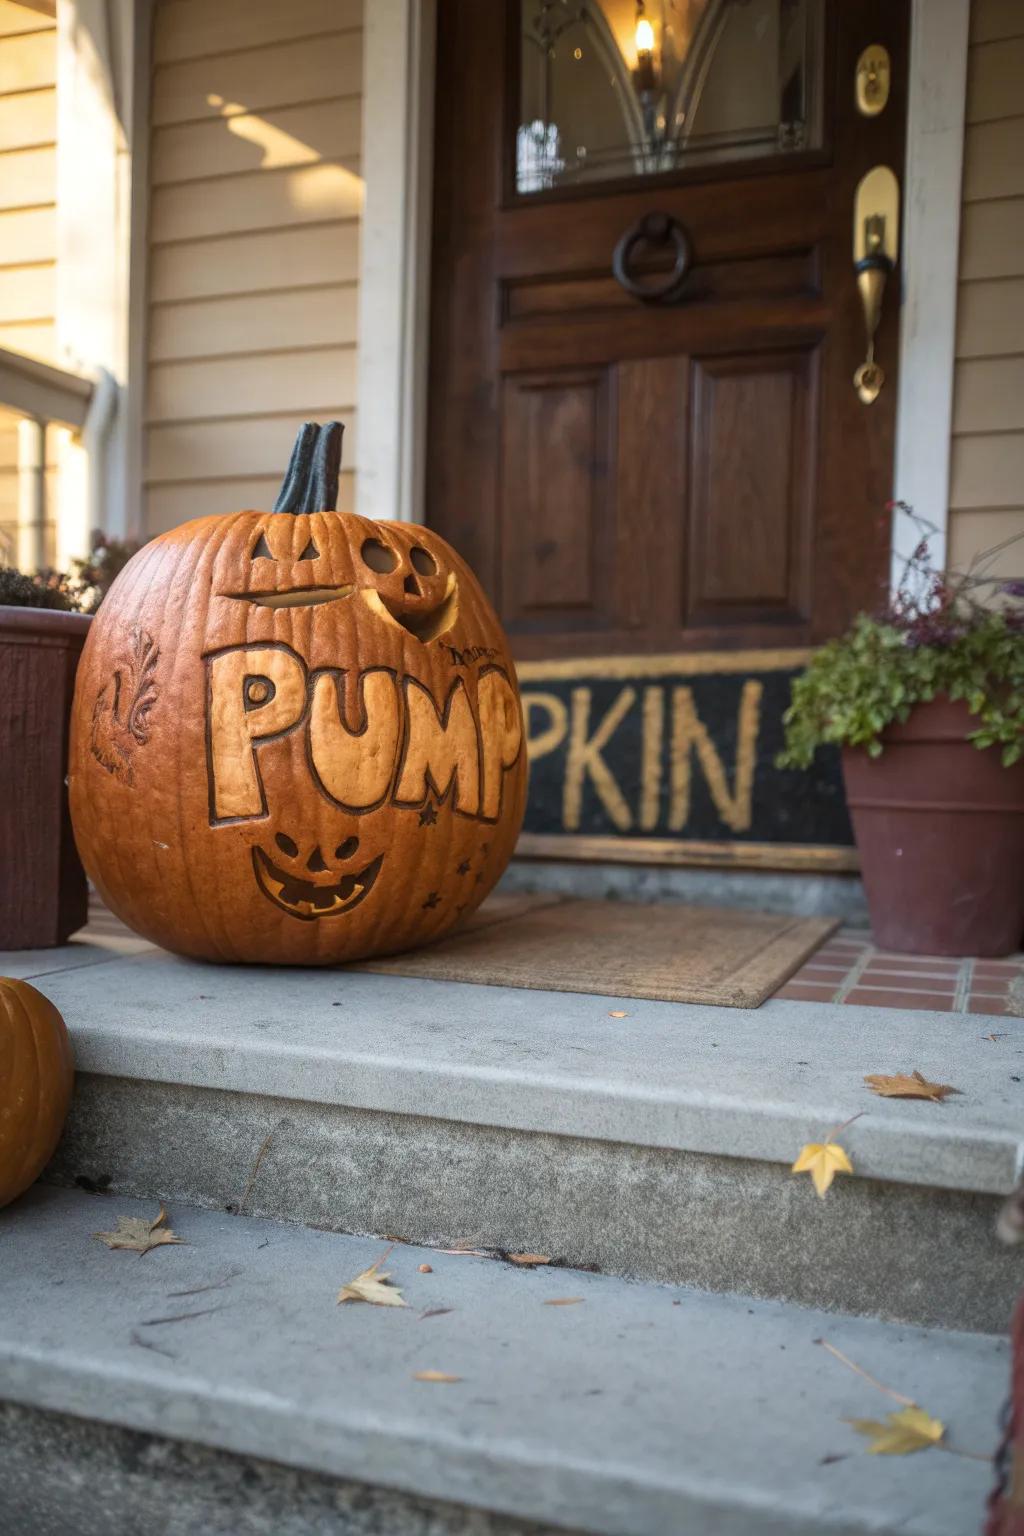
(622, 88)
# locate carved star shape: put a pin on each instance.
(433, 900)
(463, 868)
(428, 816)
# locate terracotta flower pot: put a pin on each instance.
(940, 831)
(43, 892)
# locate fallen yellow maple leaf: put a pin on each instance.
(435, 1376)
(905, 1431)
(618, 1013)
(139, 1234)
(822, 1160)
(373, 1286)
(900, 1086)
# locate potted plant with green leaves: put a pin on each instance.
(44, 620)
(926, 702)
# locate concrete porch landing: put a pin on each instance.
(656, 1145)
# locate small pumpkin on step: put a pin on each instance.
(36, 1077)
(297, 735)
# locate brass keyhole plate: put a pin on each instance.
(873, 77)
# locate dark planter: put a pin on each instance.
(940, 831)
(43, 893)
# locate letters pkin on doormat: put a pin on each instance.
(620, 949)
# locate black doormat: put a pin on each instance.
(672, 759)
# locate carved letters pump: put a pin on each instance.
(297, 736)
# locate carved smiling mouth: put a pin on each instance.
(303, 899)
(424, 624)
(292, 597)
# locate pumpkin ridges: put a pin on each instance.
(41, 1073)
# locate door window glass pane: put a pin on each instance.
(613, 89)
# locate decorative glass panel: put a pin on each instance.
(612, 88)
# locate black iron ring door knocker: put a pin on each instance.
(653, 229)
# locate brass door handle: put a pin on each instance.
(876, 233)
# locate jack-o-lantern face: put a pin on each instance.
(296, 739)
(411, 585)
(310, 888)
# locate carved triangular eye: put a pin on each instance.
(310, 552)
(262, 549)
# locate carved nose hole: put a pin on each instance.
(346, 849)
(315, 862)
(411, 586)
(286, 845)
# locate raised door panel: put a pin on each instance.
(752, 491)
(556, 503)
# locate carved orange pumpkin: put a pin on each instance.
(36, 1074)
(297, 736)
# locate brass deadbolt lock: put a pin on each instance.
(873, 77)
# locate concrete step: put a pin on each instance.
(656, 1145)
(185, 1391)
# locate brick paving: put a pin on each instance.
(849, 969)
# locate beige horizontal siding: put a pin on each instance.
(28, 178)
(273, 140)
(28, 235)
(216, 450)
(993, 163)
(36, 337)
(28, 61)
(990, 318)
(254, 245)
(992, 238)
(264, 200)
(28, 118)
(994, 74)
(252, 385)
(169, 505)
(28, 292)
(16, 18)
(255, 263)
(194, 29)
(257, 322)
(991, 19)
(251, 79)
(983, 530)
(987, 451)
(989, 395)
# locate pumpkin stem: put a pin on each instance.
(311, 480)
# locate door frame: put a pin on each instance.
(394, 294)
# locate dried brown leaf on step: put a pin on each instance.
(528, 1258)
(913, 1086)
(563, 1301)
(905, 1431)
(138, 1234)
(618, 1013)
(373, 1286)
(435, 1376)
(822, 1160)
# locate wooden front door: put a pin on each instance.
(630, 462)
